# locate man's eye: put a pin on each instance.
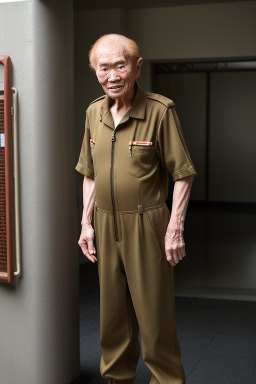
(103, 69)
(121, 67)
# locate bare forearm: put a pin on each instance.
(174, 242)
(181, 194)
(88, 200)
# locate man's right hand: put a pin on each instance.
(86, 242)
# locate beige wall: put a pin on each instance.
(196, 31)
(39, 312)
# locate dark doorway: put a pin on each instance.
(215, 101)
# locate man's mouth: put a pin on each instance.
(115, 87)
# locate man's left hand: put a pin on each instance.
(174, 246)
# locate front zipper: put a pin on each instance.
(112, 184)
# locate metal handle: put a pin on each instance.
(16, 182)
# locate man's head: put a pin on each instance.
(116, 61)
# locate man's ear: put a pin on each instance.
(138, 66)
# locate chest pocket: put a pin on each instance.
(141, 158)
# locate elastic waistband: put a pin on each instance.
(138, 211)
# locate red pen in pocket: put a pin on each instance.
(139, 143)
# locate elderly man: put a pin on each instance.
(132, 139)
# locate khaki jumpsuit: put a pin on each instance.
(130, 165)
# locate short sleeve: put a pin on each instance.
(85, 162)
(171, 146)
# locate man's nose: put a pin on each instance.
(113, 75)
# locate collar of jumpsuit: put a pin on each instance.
(137, 110)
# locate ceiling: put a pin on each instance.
(80, 5)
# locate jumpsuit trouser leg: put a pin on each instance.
(118, 324)
(136, 283)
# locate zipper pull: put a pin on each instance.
(113, 136)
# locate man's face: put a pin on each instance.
(115, 70)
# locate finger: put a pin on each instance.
(181, 253)
(175, 256)
(83, 245)
(170, 259)
(172, 262)
(91, 258)
(91, 247)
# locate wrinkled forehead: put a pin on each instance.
(111, 52)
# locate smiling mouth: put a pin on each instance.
(115, 87)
